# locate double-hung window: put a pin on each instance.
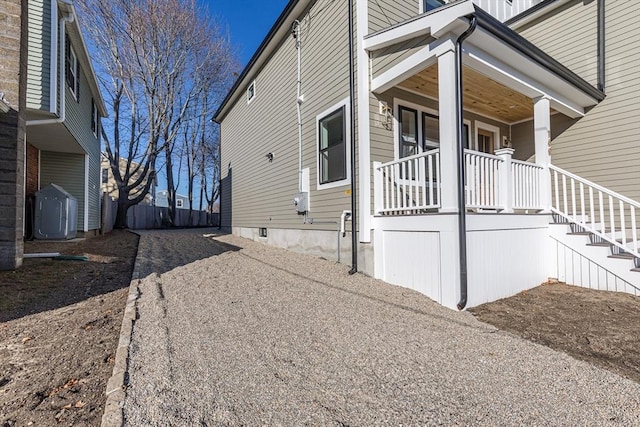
(333, 147)
(428, 5)
(72, 70)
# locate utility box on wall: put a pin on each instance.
(301, 202)
(56, 214)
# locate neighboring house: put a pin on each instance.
(546, 86)
(108, 182)
(64, 109)
(13, 39)
(182, 202)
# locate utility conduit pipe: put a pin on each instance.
(299, 98)
(62, 73)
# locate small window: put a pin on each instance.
(408, 132)
(251, 92)
(179, 203)
(95, 120)
(263, 232)
(72, 69)
(105, 175)
(332, 147)
(428, 5)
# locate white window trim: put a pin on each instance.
(94, 118)
(489, 128)
(251, 85)
(73, 67)
(347, 138)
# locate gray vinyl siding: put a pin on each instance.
(67, 171)
(262, 191)
(39, 56)
(78, 122)
(603, 146)
(385, 13)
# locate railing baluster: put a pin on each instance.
(634, 231)
(429, 183)
(612, 219)
(564, 194)
(437, 179)
(623, 226)
(601, 203)
(582, 221)
(592, 214)
(555, 174)
(573, 199)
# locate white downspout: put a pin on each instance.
(61, 72)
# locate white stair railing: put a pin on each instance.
(408, 185)
(598, 210)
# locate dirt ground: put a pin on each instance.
(602, 328)
(59, 327)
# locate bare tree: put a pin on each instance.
(155, 59)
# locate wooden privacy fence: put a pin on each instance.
(144, 217)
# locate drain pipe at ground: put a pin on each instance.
(462, 216)
(308, 220)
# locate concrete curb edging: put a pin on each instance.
(113, 411)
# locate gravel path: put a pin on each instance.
(232, 332)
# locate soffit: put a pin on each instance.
(481, 95)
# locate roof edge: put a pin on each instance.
(524, 46)
(262, 49)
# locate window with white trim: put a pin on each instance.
(333, 146)
(72, 70)
(179, 203)
(95, 120)
(251, 92)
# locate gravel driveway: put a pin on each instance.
(232, 332)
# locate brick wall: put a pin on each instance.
(33, 167)
(13, 72)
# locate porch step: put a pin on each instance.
(579, 233)
(637, 269)
(623, 255)
(603, 244)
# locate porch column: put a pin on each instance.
(542, 137)
(448, 131)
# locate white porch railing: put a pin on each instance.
(409, 185)
(605, 213)
(526, 185)
(494, 182)
(481, 180)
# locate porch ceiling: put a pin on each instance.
(482, 95)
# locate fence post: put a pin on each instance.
(377, 187)
(505, 180)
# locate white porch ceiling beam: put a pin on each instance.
(518, 81)
(435, 24)
(415, 63)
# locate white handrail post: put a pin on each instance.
(542, 137)
(377, 188)
(505, 179)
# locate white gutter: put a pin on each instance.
(63, 75)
